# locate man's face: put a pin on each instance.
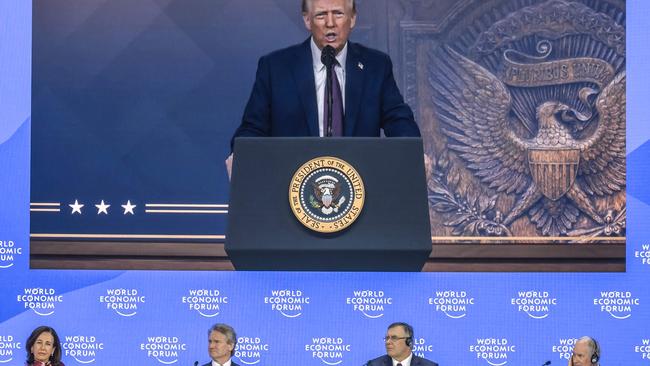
(330, 22)
(218, 347)
(396, 343)
(581, 354)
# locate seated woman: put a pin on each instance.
(43, 348)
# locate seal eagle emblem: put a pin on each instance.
(545, 127)
(326, 194)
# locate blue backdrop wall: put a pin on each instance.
(152, 318)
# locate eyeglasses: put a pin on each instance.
(394, 339)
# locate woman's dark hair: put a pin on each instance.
(55, 359)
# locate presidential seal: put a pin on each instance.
(326, 194)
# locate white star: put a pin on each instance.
(128, 208)
(102, 207)
(360, 65)
(76, 207)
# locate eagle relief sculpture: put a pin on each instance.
(536, 115)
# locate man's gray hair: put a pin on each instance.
(228, 331)
(306, 3)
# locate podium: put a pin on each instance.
(390, 233)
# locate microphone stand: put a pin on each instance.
(328, 58)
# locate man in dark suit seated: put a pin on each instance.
(222, 340)
(399, 344)
(289, 98)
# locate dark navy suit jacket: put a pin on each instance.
(385, 360)
(283, 100)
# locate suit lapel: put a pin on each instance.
(303, 75)
(354, 81)
(389, 361)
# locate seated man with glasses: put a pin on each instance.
(399, 342)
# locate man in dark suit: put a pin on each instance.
(399, 345)
(222, 340)
(288, 97)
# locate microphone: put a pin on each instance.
(328, 58)
(196, 363)
(544, 364)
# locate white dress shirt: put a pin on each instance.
(406, 362)
(320, 76)
(228, 363)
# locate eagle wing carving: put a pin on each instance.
(602, 155)
(473, 105)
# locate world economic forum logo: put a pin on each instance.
(206, 302)
(564, 348)
(421, 347)
(326, 194)
(494, 351)
(643, 349)
(9, 348)
(643, 254)
(8, 252)
(536, 304)
(83, 349)
(371, 304)
(289, 303)
(618, 304)
(124, 301)
(251, 350)
(452, 303)
(165, 350)
(40, 300)
(329, 350)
